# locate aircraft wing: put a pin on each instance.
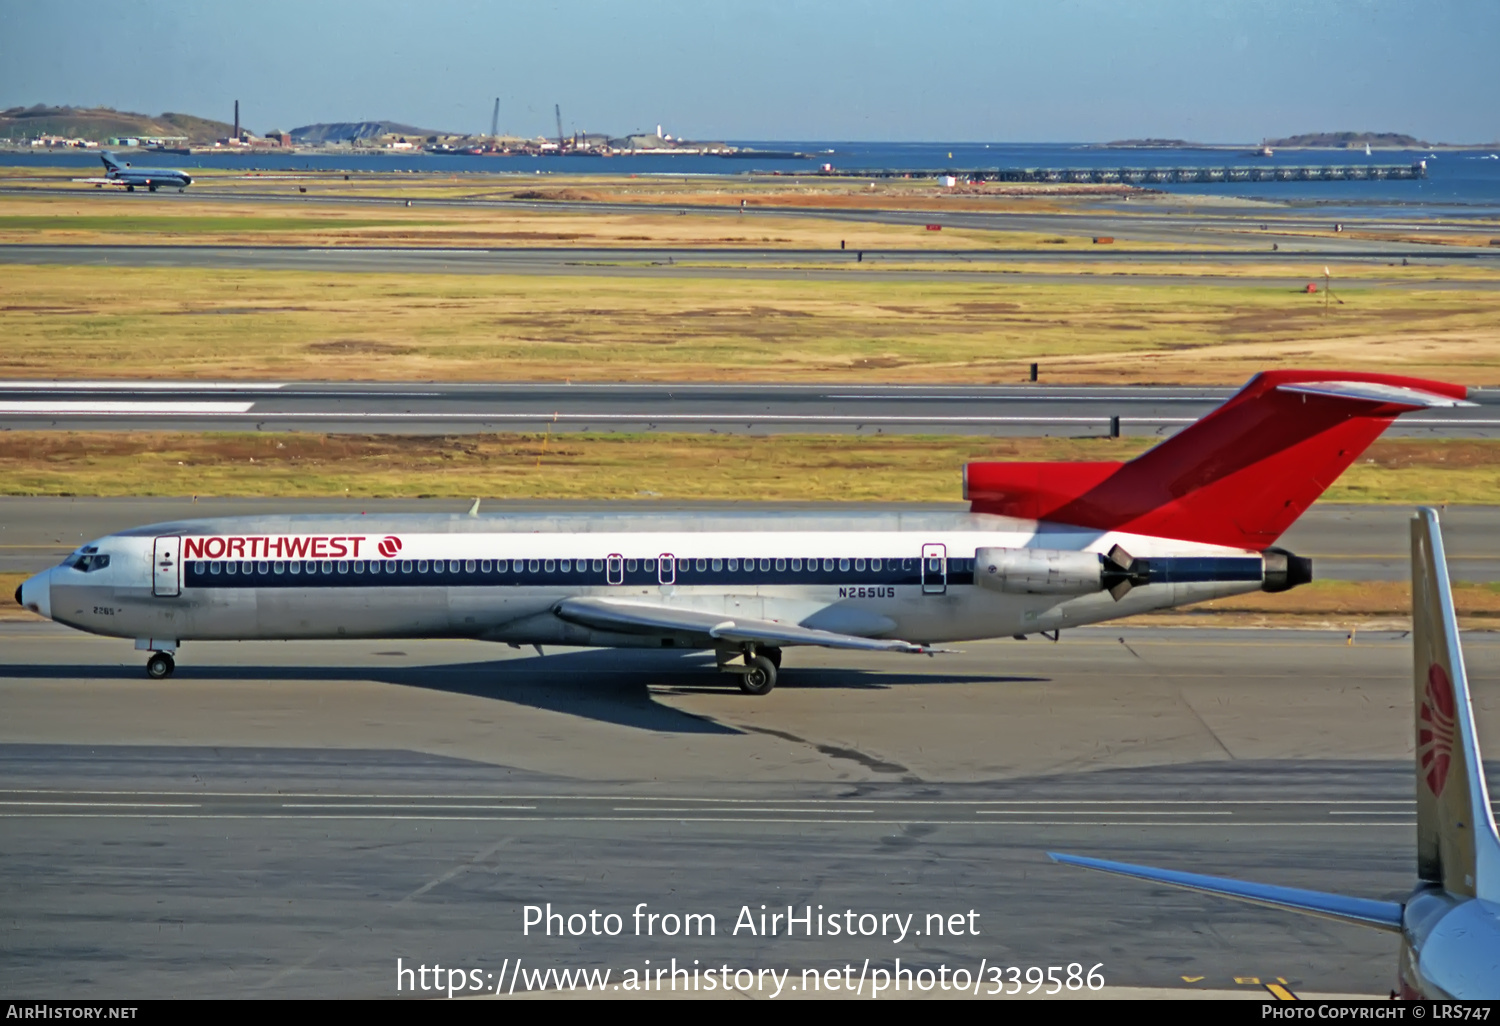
(1383, 915)
(648, 618)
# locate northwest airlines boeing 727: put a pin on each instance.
(1044, 546)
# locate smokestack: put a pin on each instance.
(236, 119)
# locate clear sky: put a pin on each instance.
(971, 70)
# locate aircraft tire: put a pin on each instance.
(130, 188)
(160, 666)
(760, 678)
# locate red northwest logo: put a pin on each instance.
(389, 546)
(1435, 729)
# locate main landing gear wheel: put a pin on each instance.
(760, 678)
(161, 665)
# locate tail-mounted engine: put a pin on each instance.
(1058, 572)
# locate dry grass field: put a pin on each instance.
(780, 468)
(94, 218)
(277, 325)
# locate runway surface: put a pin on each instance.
(449, 408)
(1133, 266)
(289, 819)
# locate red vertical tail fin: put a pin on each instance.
(1238, 477)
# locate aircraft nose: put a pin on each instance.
(36, 594)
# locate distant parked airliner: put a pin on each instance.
(1044, 546)
(117, 172)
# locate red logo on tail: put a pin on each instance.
(389, 546)
(1435, 730)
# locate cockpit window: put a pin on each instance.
(90, 562)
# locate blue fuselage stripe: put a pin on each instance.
(595, 573)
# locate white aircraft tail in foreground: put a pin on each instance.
(1450, 924)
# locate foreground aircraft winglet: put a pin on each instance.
(1450, 924)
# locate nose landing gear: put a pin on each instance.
(160, 666)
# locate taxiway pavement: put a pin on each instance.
(1126, 266)
(289, 819)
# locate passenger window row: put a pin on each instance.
(612, 569)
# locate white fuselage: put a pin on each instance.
(149, 177)
(499, 577)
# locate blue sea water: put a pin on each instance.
(1465, 182)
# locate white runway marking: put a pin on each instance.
(112, 805)
(147, 386)
(376, 805)
(86, 408)
(1113, 812)
(746, 809)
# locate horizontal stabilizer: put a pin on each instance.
(649, 618)
(1383, 915)
(1374, 392)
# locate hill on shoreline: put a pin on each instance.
(1346, 140)
(100, 123)
(339, 131)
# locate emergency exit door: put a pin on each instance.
(166, 567)
(934, 569)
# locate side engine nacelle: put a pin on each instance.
(1040, 571)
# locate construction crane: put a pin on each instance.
(557, 109)
(495, 121)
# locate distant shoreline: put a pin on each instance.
(1255, 148)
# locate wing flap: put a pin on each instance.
(646, 618)
(1383, 915)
